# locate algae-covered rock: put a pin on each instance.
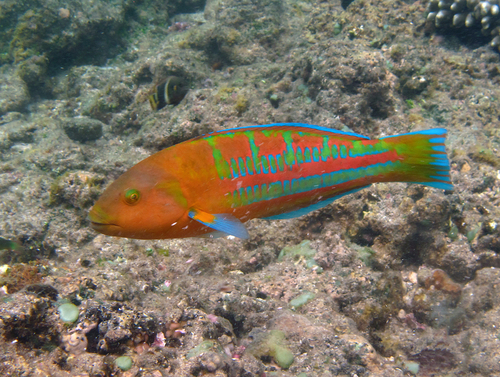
(82, 129)
(301, 251)
(33, 71)
(21, 132)
(78, 32)
(301, 300)
(272, 344)
(67, 34)
(14, 94)
(204, 346)
(28, 320)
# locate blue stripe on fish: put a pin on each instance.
(249, 165)
(343, 151)
(241, 165)
(433, 131)
(315, 154)
(234, 168)
(272, 163)
(278, 188)
(265, 165)
(300, 156)
(307, 155)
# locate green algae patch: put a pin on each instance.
(471, 234)
(124, 362)
(453, 232)
(301, 300)
(365, 254)
(282, 356)
(272, 344)
(412, 367)
(302, 251)
(204, 346)
(68, 312)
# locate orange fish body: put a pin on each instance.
(216, 182)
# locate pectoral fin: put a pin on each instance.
(221, 222)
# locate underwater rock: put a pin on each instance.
(467, 16)
(83, 129)
(78, 189)
(27, 319)
(20, 132)
(33, 72)
(483, 293)
(43, 290)
(82, 32)
(210, 361)
(271, 344)
(75, 343)
(14, 95)
(459, 261)
(119, 326)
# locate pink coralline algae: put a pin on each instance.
(212, 318)
(159, 340)
(179, 26)
(411, 321)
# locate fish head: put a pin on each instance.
(146, 202)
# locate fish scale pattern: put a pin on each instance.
(277, 162)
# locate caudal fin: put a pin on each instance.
(424, 158)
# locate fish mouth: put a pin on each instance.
(105, 228)
(96, 224)
(99, 223)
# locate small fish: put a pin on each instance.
(169, 92)
(6, 244)
(214, 183)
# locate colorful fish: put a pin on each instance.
(216, 182)
(169, 92)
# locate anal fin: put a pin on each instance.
(313, 207)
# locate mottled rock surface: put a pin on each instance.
(389, 279)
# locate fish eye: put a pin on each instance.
(132, 196)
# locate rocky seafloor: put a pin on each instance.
(396, 280)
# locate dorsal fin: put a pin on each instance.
(296, 126)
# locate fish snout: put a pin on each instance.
(98, 218)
